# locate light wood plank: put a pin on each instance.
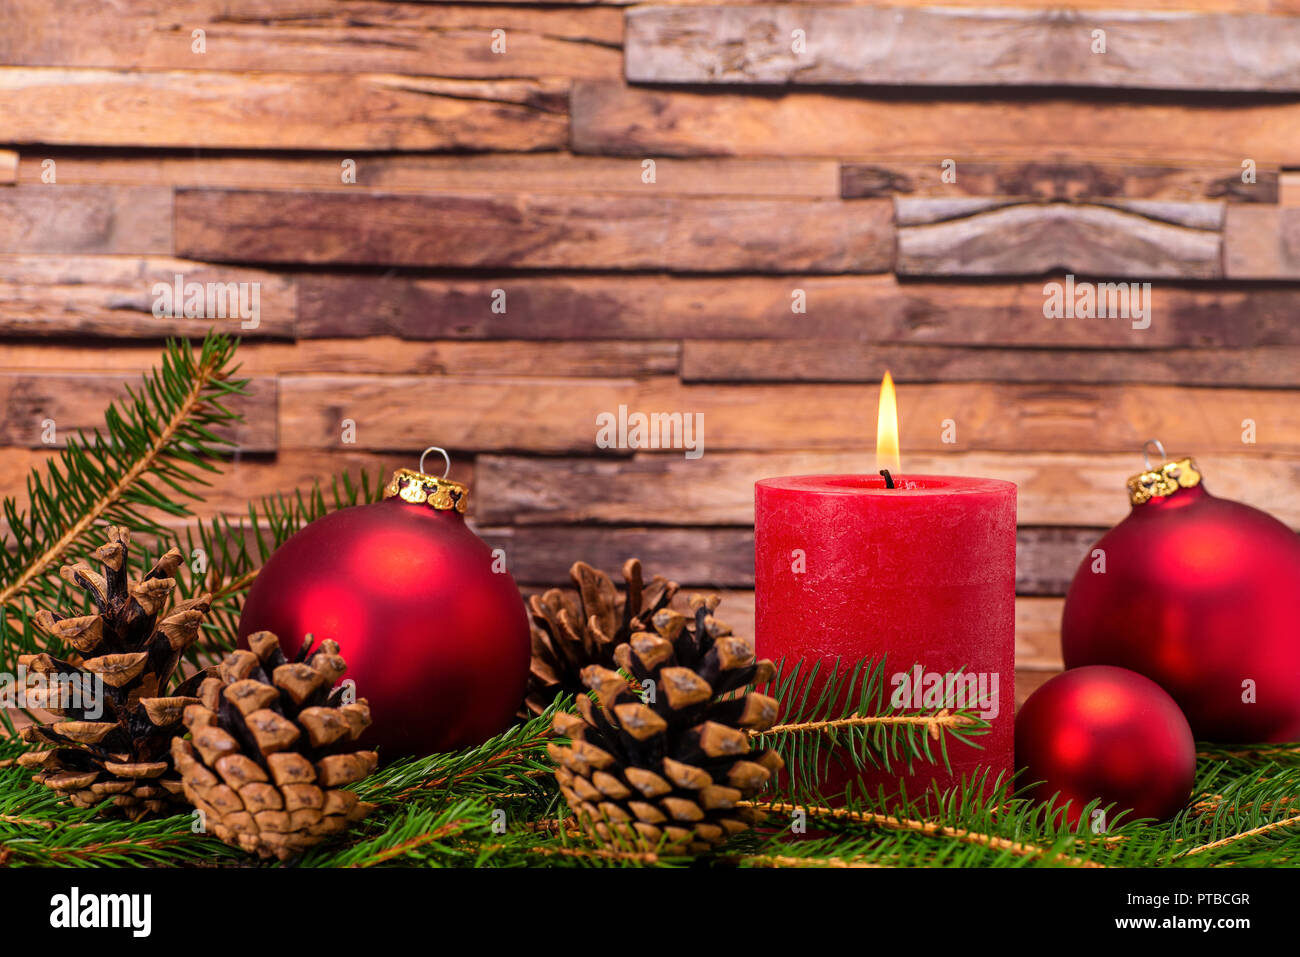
(878, 309)
(135, 220)
(286, 111)
(315, 36)
(900, 46)
(1028, 239)
(8, 167)
(72, 401)
(612, 119)
(50, 297)
(1262, 243)
(400, 172)
(1055, 488)
(520, 230)
(560, 415)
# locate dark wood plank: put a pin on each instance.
(285, 111)
(133, 220)
(724, 558)
(1055, 488)
(560, 415)
(315, 36)
(829, 360)
(1263, 243)
(956, 238)
(631, 121)
(51, 297)
(898, 46)
(1047, 181)
(879, 309)
(519, 230)
(77, 401)
(426, 172)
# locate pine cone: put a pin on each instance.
(269, 753)
(571, 632)
(666, 773)
(115, 739)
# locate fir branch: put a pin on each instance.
(146, 461)
(1234, 838)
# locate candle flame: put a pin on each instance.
(887, 428)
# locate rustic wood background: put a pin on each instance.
(775, 171)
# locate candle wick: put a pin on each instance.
(889, 479)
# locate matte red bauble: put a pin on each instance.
(1108, 733)
(1202, 595)
(435, 637)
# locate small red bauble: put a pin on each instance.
(1108, 733)
(1202, 595)
(435, 637)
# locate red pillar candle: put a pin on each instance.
(923, 573)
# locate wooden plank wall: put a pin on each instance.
(481, 225)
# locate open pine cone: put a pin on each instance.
(269, 756)
(569, 633)
(115, 745)
(667, 772)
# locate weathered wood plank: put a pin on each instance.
(878, 309)
(1048, 181)
(315, 36)
(718, 489)
(8, 167)
(379, 355)
(1289, 188)
(724, 557)
(1031, 238)
(1262, 243)
(287, 111)
(898, 46)
(560, 415)
(520, 230)
(31, 401)
(1227, 6)
(113, 297)
(829, 360)
(135, 220)
(395, 172)
(613, 119)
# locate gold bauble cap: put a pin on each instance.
(1163, 480)
(420, 488)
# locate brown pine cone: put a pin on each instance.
(571, 631)
(269, 756)
(660, 763)
(117, 749)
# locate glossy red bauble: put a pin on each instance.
(1202, 595)
(1108, 733)
(435, 638)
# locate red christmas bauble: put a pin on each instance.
(1108, 733)
(1202, 595)
(435, 637)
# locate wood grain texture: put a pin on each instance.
(422, 172)
(560, 415)
(899, 46)
(315, 36)
(133, 220)
(830, 360)
(112, 297)
(724, 557)
(211, 110)
(613, 119)
(954, 238)
(520, 230)
(77, 401)
(1059, 181)
(1263, 244)
(8, 167)
(876, 309)
(382, 356)
(1061, 488)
